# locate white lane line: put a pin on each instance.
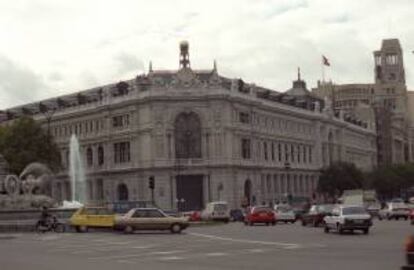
(166, 252)
(136, 255)
(256, 250)
(171, 258)
(279, 244)
(216, 254)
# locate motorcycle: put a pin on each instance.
(52, 224)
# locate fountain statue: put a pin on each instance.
(31, 189)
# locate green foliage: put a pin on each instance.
(391, 181)
(338, 177)
(24, 142)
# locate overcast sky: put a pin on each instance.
(53, 47)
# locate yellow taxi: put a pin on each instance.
(92, 217)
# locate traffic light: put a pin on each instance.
(151, 182)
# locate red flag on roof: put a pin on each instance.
(325, 61)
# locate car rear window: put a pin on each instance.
(220, 207)
(261, 209)
(353, 211)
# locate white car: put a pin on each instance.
(217, 211)
(348, 218)
(394, 210)
(284, 213)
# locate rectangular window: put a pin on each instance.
(265, 150)
(273, 151)
(292, 153)
(244, 117)
(279, 151)
(122, 152)
(245, 145)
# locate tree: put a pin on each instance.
(392, 181)
(24, 142)
(338, 177)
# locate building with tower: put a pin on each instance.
(383, 103)
(201, 137)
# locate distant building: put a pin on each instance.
(202, 136)
(383, 103)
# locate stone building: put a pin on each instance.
(202, 136)
(383, 103)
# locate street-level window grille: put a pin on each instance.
(122, 152)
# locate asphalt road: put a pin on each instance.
(232, 246)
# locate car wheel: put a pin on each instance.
(326, 229)
(273, 223)
(406, 218)
(128, 229)
(251, 223)
(365, 231)
(83, 229)
(303, 223)
(379, 217)
(389, 218)
(267, 223)
(176, 228)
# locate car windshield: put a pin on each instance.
(353, 210)
(220, 207)
(284, 209)
(326, 208)
(261, 209)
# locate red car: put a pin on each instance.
(193, 216)
(260, 214)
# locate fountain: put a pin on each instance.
(77, 175)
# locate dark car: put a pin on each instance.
(409, 250)
(316, 214)
(236, 215)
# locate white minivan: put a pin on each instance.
(217, 211)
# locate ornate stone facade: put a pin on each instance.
(203, 137)
(383, 104)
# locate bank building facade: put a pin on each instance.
(201, 136)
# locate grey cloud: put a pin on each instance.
(19, 84)
(128, 62)
(55, 76)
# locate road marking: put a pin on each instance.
(216, 254)
(280, 244)
(166, 252)
(256, 250)
(171, 258)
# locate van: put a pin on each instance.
(216, 211)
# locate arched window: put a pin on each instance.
(122, 192)
(187, 131)
(89, 156)
(100, 155)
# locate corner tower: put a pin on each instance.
(389, 65)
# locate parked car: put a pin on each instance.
(316, 214)
(92, 217)
(260, 214)
(411, 216)
(348, 218)
(193, 216)
(236, 215)
(394, 210)
(284, 213)
(216, 211)
(149, 219)
(409, 251)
